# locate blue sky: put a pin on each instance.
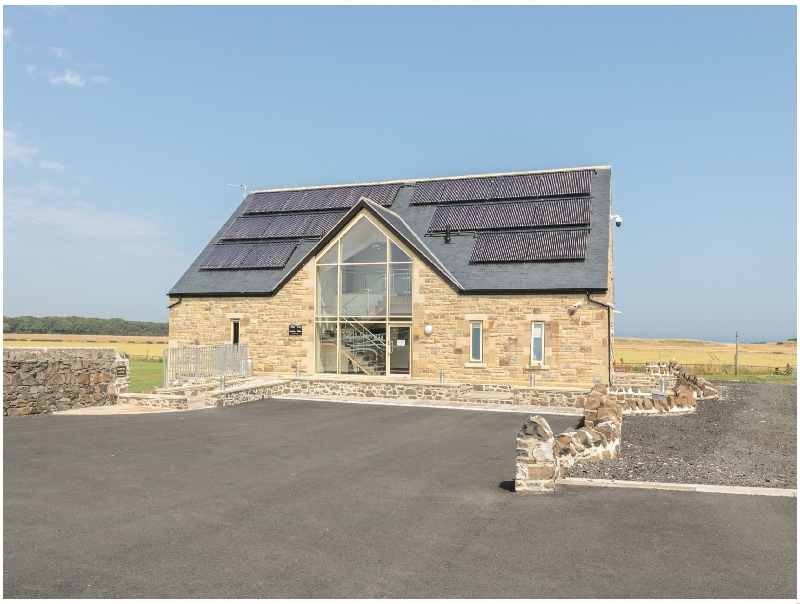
(122, 126)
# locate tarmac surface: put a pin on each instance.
(285, 498)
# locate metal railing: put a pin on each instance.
(192, 363)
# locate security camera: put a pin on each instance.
(577, 304)
(617, 219)
(617, 312)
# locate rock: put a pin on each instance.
(540, 472)
(589, 437)
(594, 401)
(564, 439)
(537, 427)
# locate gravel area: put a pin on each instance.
(746, 438)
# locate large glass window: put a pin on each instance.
(364, 284)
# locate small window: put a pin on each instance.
(537, 343)
(235, 332)
(476, 342)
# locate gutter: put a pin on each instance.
(180, 299)
(610, 308)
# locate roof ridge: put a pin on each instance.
(416, 180)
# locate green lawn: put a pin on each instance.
(145, 375)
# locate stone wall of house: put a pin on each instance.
(42, 380)
(576, 340)
(263, 324)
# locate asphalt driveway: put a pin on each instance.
(317, 499)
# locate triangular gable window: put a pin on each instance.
(364, 290)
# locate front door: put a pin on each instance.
(399, 350)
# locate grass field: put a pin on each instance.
(145, 375)
(758, 379)
(696, 352)
(132, 345)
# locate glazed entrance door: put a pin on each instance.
(399, 350)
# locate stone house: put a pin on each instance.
(490, 278)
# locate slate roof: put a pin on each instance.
(406, 208)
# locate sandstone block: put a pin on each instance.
(540, 472)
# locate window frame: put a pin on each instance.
(236, 331)
(339, 317)
(472, 325)
(535, 361)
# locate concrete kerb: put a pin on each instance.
(670, 486)
(457, 406)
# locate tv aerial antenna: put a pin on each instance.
(242, 187)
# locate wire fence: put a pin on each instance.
(724, 369)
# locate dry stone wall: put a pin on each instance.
(542, 456)
(43, 380)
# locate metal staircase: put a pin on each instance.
(366, 350)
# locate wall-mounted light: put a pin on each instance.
(428, 329)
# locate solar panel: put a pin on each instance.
(549, 184)
(383, 194)
(428, 191)
(535, 246)
(287, 225)
(282, 226)
(274, 254)
(248, 228)
(268, 202)
(323, 223)
(321, 199)
(269, 255)
(226, 256)
(514, 215)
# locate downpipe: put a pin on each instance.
(610, 308)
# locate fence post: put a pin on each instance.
(736, 356)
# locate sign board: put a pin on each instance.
(122, 371)
(295, 330)
(401, 342)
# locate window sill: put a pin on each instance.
(538, 366)
(476, 365)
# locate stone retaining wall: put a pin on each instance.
(672, 373)
(244, 394)
(43, 380)
(542, 457)
(169, 401)
(462, 393)
(644, 381)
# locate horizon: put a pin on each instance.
(792, 339)
(124, 128)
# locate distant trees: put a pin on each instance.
(84, 325)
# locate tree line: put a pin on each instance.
(84, 325)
